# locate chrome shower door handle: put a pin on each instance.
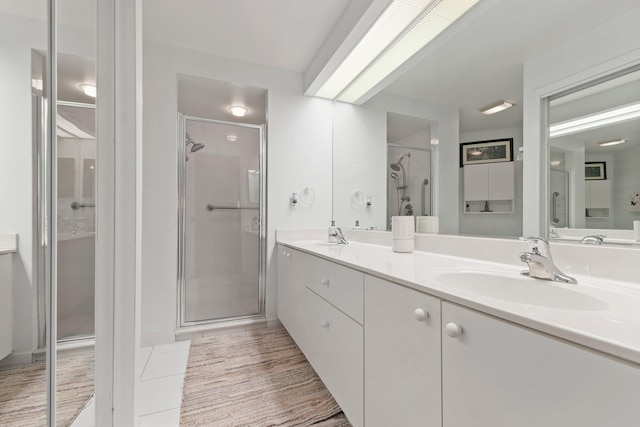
(554, 207)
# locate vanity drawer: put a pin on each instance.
(341, 286)
(336, 346)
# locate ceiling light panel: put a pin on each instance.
(429, 27)
(605, 118)
(393, 21)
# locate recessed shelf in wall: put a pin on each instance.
(495, 206)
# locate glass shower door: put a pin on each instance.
(221, 256)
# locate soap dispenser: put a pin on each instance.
(333, 234)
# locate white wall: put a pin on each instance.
(360, 162)
(298, 156)
(609, 47)
(359, 159)
(494, 224)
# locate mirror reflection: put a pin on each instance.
(409, 182)
(594, 139)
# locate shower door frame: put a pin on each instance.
(41, 254)
(181, 322)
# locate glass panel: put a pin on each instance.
(75, 213)
(23, 83)
(76, 221)
(222, 224)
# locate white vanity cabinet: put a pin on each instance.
(320, 304)
(402, 356)
(495, 373)
(292, 311)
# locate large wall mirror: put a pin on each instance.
(594, 143)
(468, 67)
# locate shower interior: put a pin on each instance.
(408, 188)
(221, 236)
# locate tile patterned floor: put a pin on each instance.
(160, 389)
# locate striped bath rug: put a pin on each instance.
(256, 378)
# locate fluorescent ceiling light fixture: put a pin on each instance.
(610, 143)
(496, 107)
(389, 25)
(438, 16)
(592, 121)
(555, 162)
(89, 89)
(238, 110)
(232, 137)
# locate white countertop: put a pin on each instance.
(8, 243)
(607, 318)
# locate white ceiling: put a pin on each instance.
(283, 34)
(479, 64)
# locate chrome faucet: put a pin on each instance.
(540, 263)
(337, 236)
(595, 239)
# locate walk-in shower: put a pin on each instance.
(408, 189)
(221, 252)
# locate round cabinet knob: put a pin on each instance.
(325, 281)
(420, 315)
(453, 330)
(324, 324)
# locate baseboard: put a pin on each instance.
(273, 323)
(15, 359)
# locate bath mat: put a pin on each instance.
(256, 378)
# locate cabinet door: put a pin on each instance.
(292, 312)
(501, 181)
(335, 352)
(402, 362)
(600, 194)
(496, 374)
(476, 182)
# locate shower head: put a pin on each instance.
(395, 167)
(197, 146)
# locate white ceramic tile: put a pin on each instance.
(165, 364)
(87, 416)
(167, 348)
(160, 394)
(169, 418)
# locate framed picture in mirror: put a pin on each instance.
(595, 171)
(491, 151)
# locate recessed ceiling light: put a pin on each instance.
(89, 89)
(238, 110)
(232, 137)
(496, 107)
(610, 143)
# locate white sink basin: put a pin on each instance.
(522, 290)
